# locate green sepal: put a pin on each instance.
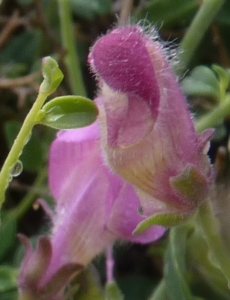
(112, 291)
(190, 184)
(52, 75)
(67, 112)
(166, 220)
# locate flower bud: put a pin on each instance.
(148, 137)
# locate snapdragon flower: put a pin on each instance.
(148, 136)
(94, 208)
(146, 153)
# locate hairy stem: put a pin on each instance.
(19, 143)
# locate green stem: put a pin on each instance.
(215, 116)
(19, 143)
(68, 41)
(196, 31)
(211, 232)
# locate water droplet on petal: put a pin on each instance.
(17, 169)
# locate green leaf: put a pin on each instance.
(202, 81)
(8, 279)
(210, 280)
(175, 265)
(224, 79)
(52, 75)
(112, 291)
(68, 112)
(89, 9)
(32, 156)
(167, 220)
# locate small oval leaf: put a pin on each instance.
(202, 81)
(68, 112)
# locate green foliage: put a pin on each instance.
(176, 275)
(209, 280)
(112, 291)
(8, 231)
(91, 288)
(188, 270)
(223, 15)
(8, 279)
(11, 295)
(24, 2)
(169, 13)
(206, 82)
(136, 287)
(89, 10)
(68, 112)
(160, 293)
(28, 42)
(202, 81)
(224, 78)
(8, 283)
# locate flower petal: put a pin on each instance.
(125, 209)
(146, 151)
(126, 68)
(88, 196)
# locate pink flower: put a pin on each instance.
(94, 207)
(148, 137)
